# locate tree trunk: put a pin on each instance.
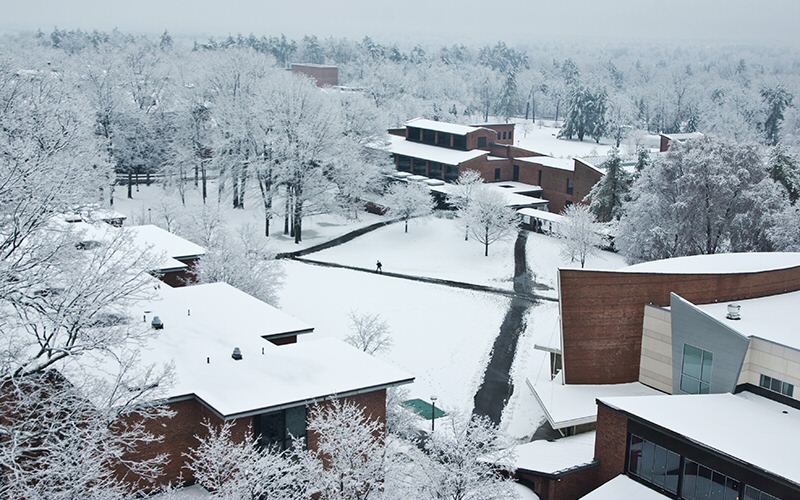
(297, 223)
(286, 213)
(196, 173)
(204, 178)
(130, 185)
(486, 243)
(406, 225)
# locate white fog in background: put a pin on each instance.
(423, 21)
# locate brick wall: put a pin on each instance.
(585, 178)
(602, 313)
(373, 403)
(508, 128)
(610, 444)
(323, 76)
(472, 139)
(554, 183)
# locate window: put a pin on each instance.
(654, 464)
(516, 172)
(443, 139)
(434, 170)
(460, 142)
(696, 370)
(413, 134)
(540, 178)
(497, 174)
(504, 136)
(751, 493)
(451, 173)
(279, 428)
(420, 167)
(776, 385)
(428, 136)
(403, 163)
(701, 482)
(570, 185)
(482, 142)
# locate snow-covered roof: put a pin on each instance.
(202, 326)
(450, 128)
(400, 146)
(517, 187)
(768, 318)
(623, 487)
(542, 215)
(750, 428)
(723, 263)
(548, 161)
(566, 405)
(557, 456)
(512, 199)
(683, 136)
(160, 240)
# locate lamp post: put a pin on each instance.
(433, 411)
(149, 216)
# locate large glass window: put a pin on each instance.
(701, 483)
(570, 185)
(413, 134)
(654, 464)
(460, 141)
(515, 175)
(751, 493)
(696, 370)
(419, 167)
(451, 173)
(482, 141)
(278, 429)
(443, 139)
(775, 385)
(434, 170)
(428, 136)
(403, 163)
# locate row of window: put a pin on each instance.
(776, 385)
(434, 138)
(670, 472)
(502, 136)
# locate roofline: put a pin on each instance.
(287, 334)
(564, 423)
(674, 434)
(662, 273)
(560, 473)
(300, 402)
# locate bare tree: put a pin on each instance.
(580, 233)
(408, 200)
(370, 333)
(466, 186)
(489, 219)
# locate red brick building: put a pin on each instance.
(322, 74)
(440, 150)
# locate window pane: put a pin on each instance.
(718, 486)
(660, 466)
(776, 385)
(692, 361)
(690, 386)
(271, 429)
(788, 389)
(703, 388)
(296, 422)
(672, 471)
(648, 457)
(764, 382)
(689, 480)
(703, 482)
(707, 361)
(635, 456)
(731, 489)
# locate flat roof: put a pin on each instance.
(203, 324)
(753, 429)
(767, 318)
(722, 263)
(450, 128)
(555, 457)
(513, 199)
(542, 215)
(516, 186)
(566, 405)
(549, 161)
(399, 145)
(161, 240)
(684, 136)
(623, 487)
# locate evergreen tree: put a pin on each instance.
(608, 195)
(776, 99)
(784, 168)
(166, 43)
(642, 160)
(586, 114)
(509, 96)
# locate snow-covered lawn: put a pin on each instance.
(441, 335)
(544, 259)
(151, 202)
(433, 247)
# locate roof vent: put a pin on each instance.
(237, 354)
(157, 324)
(734, 311)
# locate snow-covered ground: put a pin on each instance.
(150, 203)
(433, 247)
(441, 335)
(542, 137)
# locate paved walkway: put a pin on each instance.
(497, 386)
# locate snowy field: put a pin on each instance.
(433, 247)
(151, 203)
(542, 137)
(441, 335)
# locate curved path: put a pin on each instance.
(497, 386)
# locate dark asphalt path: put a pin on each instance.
(497, 386)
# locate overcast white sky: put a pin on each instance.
(464, 21)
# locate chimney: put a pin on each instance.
(734, 312)
(237, 354)
(157, 324)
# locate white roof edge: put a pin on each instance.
(561, 424)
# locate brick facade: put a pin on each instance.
(567, 486)
(602, 313)
(323, 76)
(610, 444)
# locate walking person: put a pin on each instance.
(379, 267)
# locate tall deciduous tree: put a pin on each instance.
(408, 200)
(580, 234)
(489, 219)
(466, 186)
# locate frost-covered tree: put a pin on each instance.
(352, 447)
(454, 464)
(586, 114)
(608, 195)
(784, 168)
(579, 232)
(233, 466)
(509, 97)
(369, 333)
(466, 186)
(776, 99)
(245, 262)
(694, 199)
(408, 200)
(785, 233)
(400, 420)
(489, 219)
